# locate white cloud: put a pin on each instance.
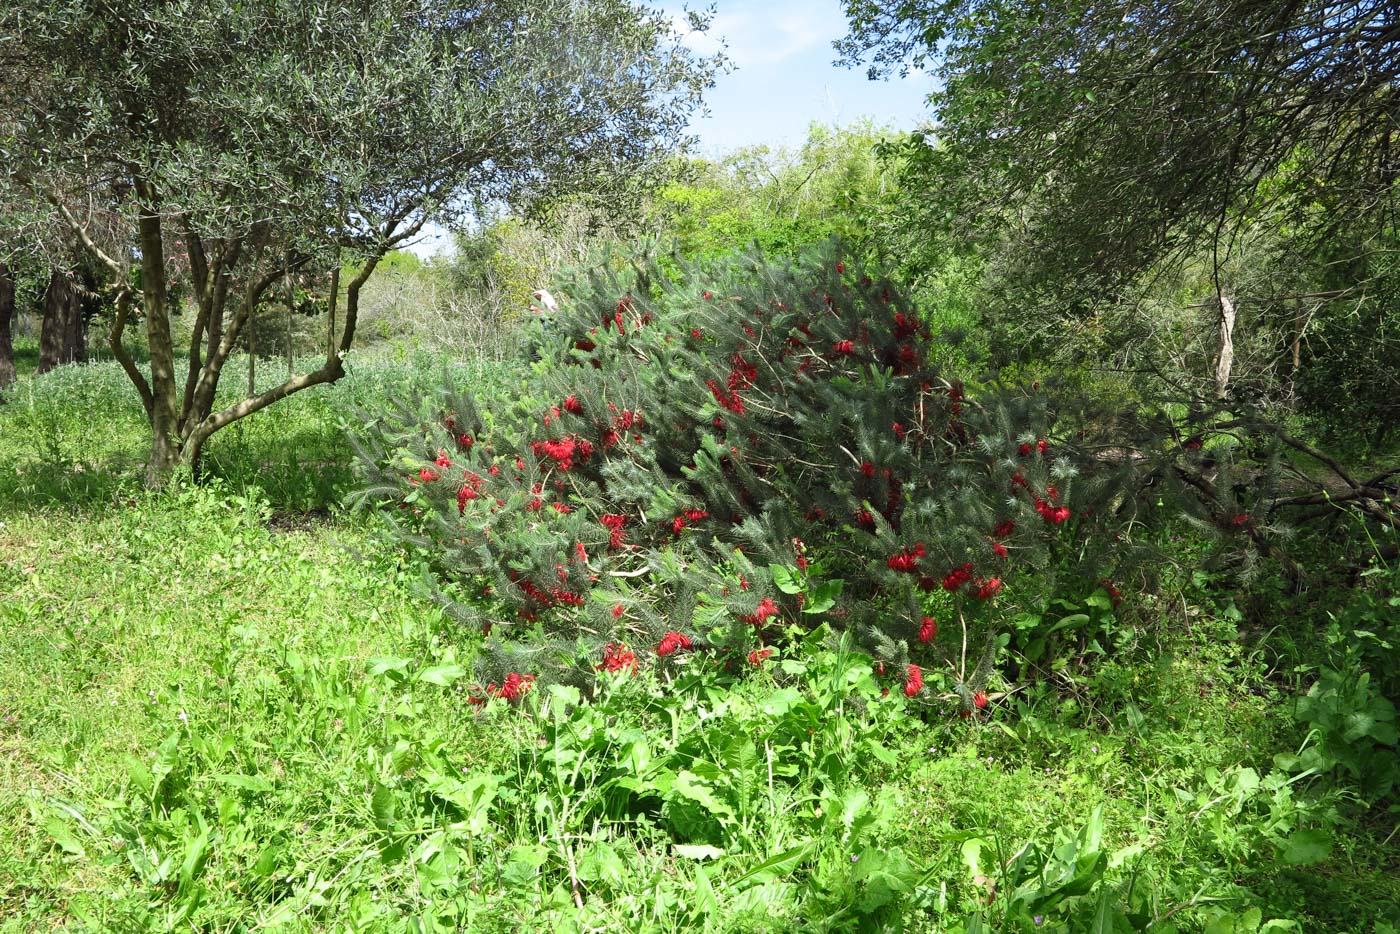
(755, 34)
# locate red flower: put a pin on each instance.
(695, 515)
(1235, 522)
(845, 348)
(617, 657)
(513, 688)
(672, 642)
(868, 469)
(929, 630)
(899, 430)
(561, 508)
(906, 562)
(957, 577)
(495, 470)
(766, 608)
(442, 460)
(840, 267)
(999, 549)
(1004, 529)
(1192, 443)
(695, 333)
(465, 494)
(758, 656)
(1024, 450)
(706, 296)
(615, 524)
(864, 519)
(1112, 591)
(465, 442)
(1042, 446)
(571, 404)
(914, 683)
(988, 588)
(979, 700)
(427, 475)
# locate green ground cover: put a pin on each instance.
(228, 708)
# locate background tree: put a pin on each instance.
(7, 317)
(1084, 153)
(259, 140)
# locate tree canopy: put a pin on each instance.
(240, 144)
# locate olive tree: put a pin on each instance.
(244, 144)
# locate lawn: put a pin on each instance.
(231, 707)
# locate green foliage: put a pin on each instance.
(215, 714)
(686, 434)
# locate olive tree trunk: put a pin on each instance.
(7, 313)
(62, 339)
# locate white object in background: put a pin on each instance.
(547, 300)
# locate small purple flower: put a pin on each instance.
(1039, 919)
(855, 858)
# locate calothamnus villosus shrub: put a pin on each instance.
(696, 464)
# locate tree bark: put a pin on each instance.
(7, 312)
(1226, 359)
(61, 336)
(165, 408)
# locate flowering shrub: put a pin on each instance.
(694, 464)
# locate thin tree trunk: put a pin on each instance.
(1227, 346)
(330, 313)
(7, 312)
(165, 407)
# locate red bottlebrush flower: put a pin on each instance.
(617, 657)
(899, 430)
(677, 524)
(1058, 515)
(672, 642)
(766, 609)
(758, 656)
(929, 630)
(494, 470)
(706, 295)
(428, 475)
(617, 611)
(1053, 492)
(614, 523)
(840, 267)
(1017, 479)
(443, 460)
(845, 348)
(988, 588)
(695, 515)
(999, 549)
(465, 442)
(743, 582)
(979, 700)
(957, 577)
(868, 469)
(1024, 450)
(464, 495)
(864, 519)
(914, 682)
(879, 668)
(519, 463)
(1004, 529)
(581, 552)
(514, 687)
(571, 404)
(561, 508)
(695, 333)
(907, 562)
(802, 564)
(1192, 443)
(1235, 521)
(1112, 591)
(904, 326)
(1042, 446)
(534, 504)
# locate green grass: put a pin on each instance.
(228, 709)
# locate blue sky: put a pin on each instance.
(782, 79)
